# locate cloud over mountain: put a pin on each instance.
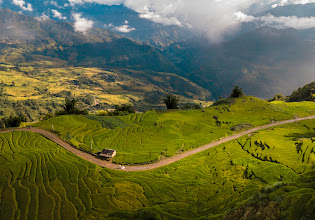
(58, 15)
(213, 18)
(81, 24)
(278, 22)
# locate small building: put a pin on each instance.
(108, 153)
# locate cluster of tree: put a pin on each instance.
(306, 93)
(122, 110)
(12, 121)
(70, 108)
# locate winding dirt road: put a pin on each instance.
(160, 163)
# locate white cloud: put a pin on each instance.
(101, 2)
(292, 2)
(43, 17)
(23, 5)
(277, 22)
(58, 15)
(108, 25)
(124, 28)
(53, 3)
(81, 24)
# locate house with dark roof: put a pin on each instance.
(108, 153)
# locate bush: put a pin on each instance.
(278, 97)
(241, 126)
(191, 106)
(229, 101)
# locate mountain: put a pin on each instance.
(298, 10)
(111, 18)
(47, 60)
(27, 39)
(264, 62)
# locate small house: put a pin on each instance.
(108, 153)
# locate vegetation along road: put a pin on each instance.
(160, 163)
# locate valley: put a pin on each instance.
(153, 110)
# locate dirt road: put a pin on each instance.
(160, 163)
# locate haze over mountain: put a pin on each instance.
(264, 62)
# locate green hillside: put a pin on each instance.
(271, 171)
(34, 90)
(147, 137)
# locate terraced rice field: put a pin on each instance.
(40, 180)
(148, 137)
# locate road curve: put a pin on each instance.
(53, 137)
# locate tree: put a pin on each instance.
(70, 109)
(12, 121)
(2, 125)
(171, 101)
(237, 92)
(69, 106)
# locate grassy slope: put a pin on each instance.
(49, 87)
(40, 179)
(149, 136)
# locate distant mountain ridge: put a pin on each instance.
(103, 15)
(23, 37)
(298, 10)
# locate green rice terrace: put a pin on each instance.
(268, 173)
(148, 137)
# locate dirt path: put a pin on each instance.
(160, 163)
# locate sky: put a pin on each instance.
(213, 18)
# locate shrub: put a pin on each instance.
(191, 106)
(278, 97)
(229, 101)
(241, 126)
